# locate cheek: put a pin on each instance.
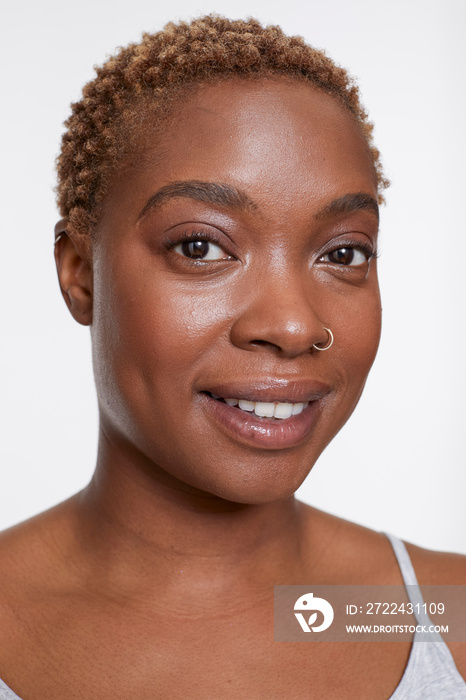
(170, 328)
(355, 320)
(357, 334)
(151, 336)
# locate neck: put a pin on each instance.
(147, 529)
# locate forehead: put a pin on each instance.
(275, 138)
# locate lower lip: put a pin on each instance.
(268, 433)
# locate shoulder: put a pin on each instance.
(36, 571)
(355, 555)
(33, 556)
(437, 568)
(346, 553)
(358, 551)
(36, 541)
(442, 569)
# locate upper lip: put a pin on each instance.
(271, 390)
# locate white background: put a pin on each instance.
(399, 464)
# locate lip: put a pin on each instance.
(266, 433)
(271, 390)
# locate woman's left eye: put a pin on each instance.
(198, 249)
(349, 257)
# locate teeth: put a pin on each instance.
(283, 410)
(264, 409)
(267, 409)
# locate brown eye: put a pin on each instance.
(346, 256)
(195, 249)
(201, 250)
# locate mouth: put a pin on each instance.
(269, 417)
(277, 410)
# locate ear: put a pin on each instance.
(74, 267)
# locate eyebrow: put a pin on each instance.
(211, 192)
(349, 203)
(228, 196)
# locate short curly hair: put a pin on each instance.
(104, 123)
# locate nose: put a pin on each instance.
(279, 314)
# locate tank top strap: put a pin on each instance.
(412, 586)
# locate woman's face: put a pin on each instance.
(222, 254)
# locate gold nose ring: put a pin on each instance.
(329, 341)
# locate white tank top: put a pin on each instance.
(431, 673)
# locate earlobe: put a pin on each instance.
(74, 269)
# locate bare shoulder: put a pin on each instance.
(32, 556)
(437, 568)
(358, 555)
(349, 553)
(32, 538)
(36, 571)
(441, 569)
(362, 555)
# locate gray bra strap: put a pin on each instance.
(410, 580)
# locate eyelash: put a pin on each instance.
(193, 236)
(367, 249)
(188, 237)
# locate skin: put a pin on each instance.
(157, 580)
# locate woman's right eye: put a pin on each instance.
(199, 249)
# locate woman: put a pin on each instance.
(219, 192)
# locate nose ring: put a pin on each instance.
(329, 341)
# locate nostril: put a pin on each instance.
(264, 343)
